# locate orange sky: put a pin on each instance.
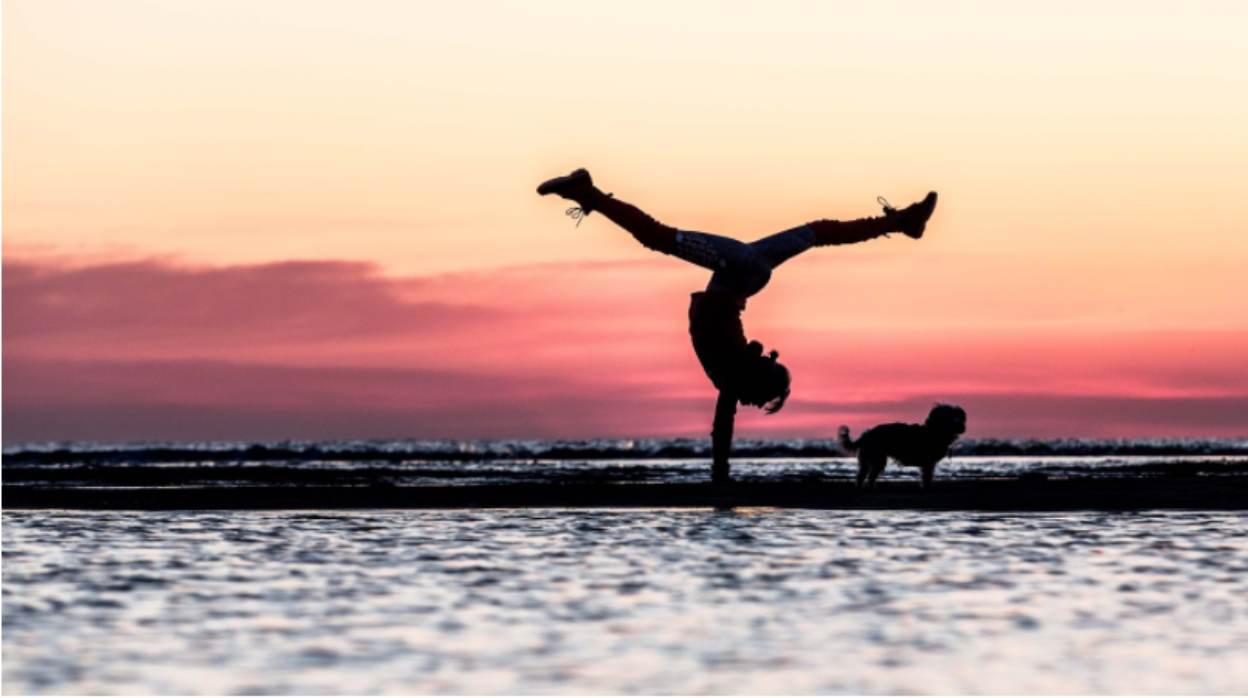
(338, 197)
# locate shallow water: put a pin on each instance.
(668, 601)
(506, 471)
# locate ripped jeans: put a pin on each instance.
(741, 268)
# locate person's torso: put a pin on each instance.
(718, 335)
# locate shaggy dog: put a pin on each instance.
(916, 445)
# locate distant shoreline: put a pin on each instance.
(1037, 493)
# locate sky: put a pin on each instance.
(316, 220)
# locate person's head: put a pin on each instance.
(765, 381)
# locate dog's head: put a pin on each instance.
(947, 419)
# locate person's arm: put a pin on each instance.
(721, 435)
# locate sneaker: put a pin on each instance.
(579, 178)
(911, 220)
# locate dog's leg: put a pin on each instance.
(877, 467)
(928, 472)
(864, 465)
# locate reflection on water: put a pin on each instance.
(745, 601)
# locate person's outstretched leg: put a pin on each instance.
(910, 221)
(737, 267)
(579, 187)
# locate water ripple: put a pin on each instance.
(744, 601)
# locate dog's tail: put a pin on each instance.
(847, 444)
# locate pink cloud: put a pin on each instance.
(153, 310)
(319, 350)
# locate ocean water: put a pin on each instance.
(599, 460)
(624, 602)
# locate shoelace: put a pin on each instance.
(578, 214)
(888, 208)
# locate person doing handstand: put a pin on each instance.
(738, 368)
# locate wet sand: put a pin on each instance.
(1019, 494)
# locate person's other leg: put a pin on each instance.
(783, 246)
(910, 221)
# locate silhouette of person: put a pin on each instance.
(738, 368)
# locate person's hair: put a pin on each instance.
(782, 383)
(768, 382)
